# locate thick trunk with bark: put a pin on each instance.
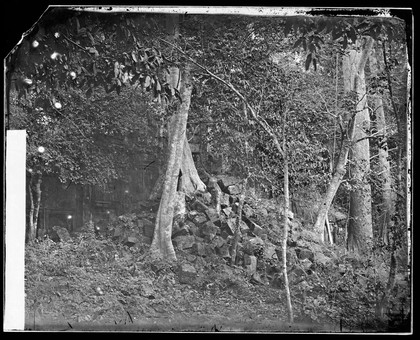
(360, 218)
(162, 244)
(384, 167)
(190, 181)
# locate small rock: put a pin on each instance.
(200, 219)
(224, 200)
(248, 211)
(209, 230)
(226, 181)
(227, 211)
(250, 262)
(321, 258)
(181, 232)
(198, 249)
(228, 226)
(186, 273)
(218, 241)
(223, 251)
(207, 198)
(191, 258)
(63, 233)
(306, 264)
(258, 230)
(212, 214)
(256, 279)
(262, 212)
(192, 228)
(131, 241)
(303, 253)
(199, 206)
(148, 227)
(209, 250)
(270, 251)
(296, 275)
(183, 242)
(234, 189)
(244, 227)
(224, 234)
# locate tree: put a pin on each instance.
(353, 73)
(384, 166)
(190, 180)
(286, 219)
(359, 229)
(162, 243)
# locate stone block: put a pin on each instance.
(198, 249)
(200, 218)
(224, 200)
(234, 189)
(180, 232)
(248, 211)
(207, 198)
(303, 253)
(186, 273)
(209, 231)
(250, 262)
(148, 227)
(184, 241)
(198, 206)
(212, 214)
(227, 211)
(223, 251)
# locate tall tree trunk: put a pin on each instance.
(190, 180)
(30, 233)
(353, 68)
(286, 221)
(359, 228)
(162, 245)
(35, 192)
(384, 167)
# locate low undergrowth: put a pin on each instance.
(96, 280)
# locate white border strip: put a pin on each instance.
(14, 307)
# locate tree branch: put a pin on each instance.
(76, 44)
(259, 120)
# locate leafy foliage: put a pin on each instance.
(85, 141)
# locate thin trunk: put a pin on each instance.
(30, 235)
(37, 201)
(327, 224)
(286, 222)
(384, 166)
(162, 245)
(339, 172)
(237, 234)
(34, 188)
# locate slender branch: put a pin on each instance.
(259, 120)
(76, 44)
